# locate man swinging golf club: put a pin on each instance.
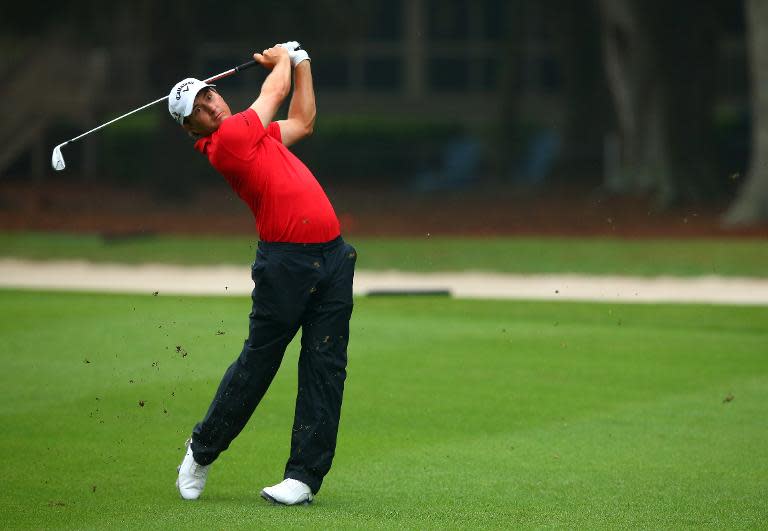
(302, 273)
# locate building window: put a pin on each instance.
(382, 73)
(448, 74)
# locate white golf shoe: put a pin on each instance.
(288, 492)
(192, 476)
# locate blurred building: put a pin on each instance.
(397, 80)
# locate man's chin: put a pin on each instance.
(214, 127)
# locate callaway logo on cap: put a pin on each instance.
(181, 99)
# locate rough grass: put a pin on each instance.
(599, 256)
(458, 414)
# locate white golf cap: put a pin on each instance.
(182, 97)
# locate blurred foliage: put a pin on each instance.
(136, 135)
(374, 147)
(542, 62)
(95, 22)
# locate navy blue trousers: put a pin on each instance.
(307, 286)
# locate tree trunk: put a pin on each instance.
(685, 37)
(751, 205)
(658, 60)
(508, 137)
(637, 97)
(585, 90)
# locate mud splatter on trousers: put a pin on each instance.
(296, 286)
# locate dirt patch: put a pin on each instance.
(364, 211)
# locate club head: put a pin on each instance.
(57, 159)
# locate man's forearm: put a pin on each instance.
(302, 107)
(279, 79)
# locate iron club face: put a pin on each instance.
(57, 159)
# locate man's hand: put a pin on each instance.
(270, 57)
(296, 56)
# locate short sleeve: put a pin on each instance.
(273, 130)
(241, 132)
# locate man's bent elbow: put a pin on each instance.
(308, 126)
(303, 132)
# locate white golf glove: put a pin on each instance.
(290, 45)
(296, 56)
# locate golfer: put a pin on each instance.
(302, 274)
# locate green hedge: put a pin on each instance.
(374, 147)
(145, 150)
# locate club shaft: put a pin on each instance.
(222, 75)
(118, 118)
(231, 71)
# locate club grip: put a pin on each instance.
(243, 66)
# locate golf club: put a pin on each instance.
(57, 159)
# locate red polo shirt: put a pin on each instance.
(287, 201)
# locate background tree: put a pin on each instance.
(584, 90)
(659, 59)
(751, 205)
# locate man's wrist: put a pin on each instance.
(298, 57)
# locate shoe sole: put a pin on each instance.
(273, 501)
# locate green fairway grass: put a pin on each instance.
(600, 256)
(457, 414)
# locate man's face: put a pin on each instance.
(208, 112)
